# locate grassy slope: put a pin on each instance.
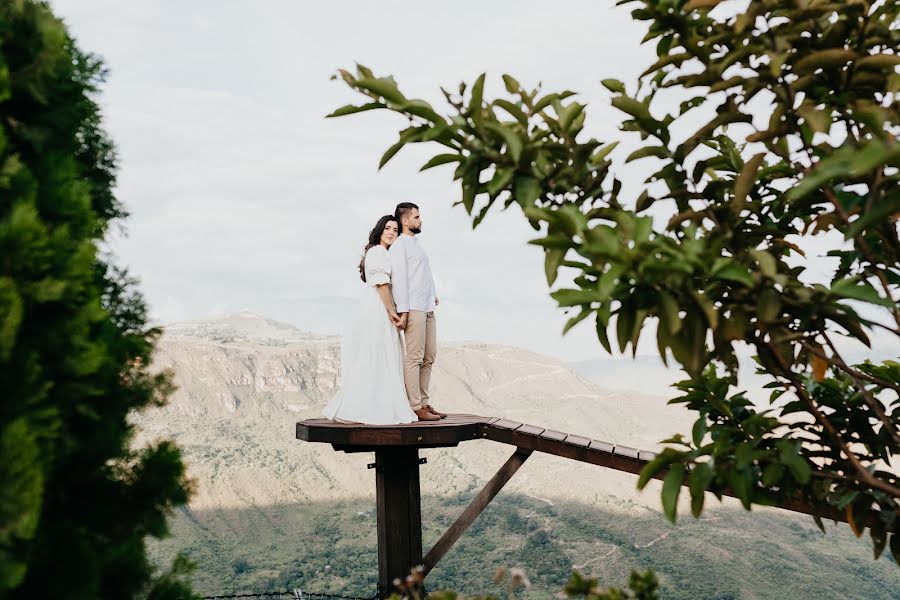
(728, 554)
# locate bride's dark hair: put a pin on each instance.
(375, 239)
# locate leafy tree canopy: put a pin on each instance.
(76, 500)
(799, 112)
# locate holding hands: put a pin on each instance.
(399, 321)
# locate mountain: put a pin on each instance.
(245, 380)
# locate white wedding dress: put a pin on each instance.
(372, 390)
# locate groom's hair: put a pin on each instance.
(402, 210)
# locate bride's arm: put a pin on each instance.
(384, 291)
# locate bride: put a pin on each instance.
(372, 352)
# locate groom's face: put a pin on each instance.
(413, 221)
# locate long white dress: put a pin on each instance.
(372, 390)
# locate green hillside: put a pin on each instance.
(728, 554)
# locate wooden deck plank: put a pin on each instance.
(530, 430)
(602, 446)
(626, 451)
(554, 435)
(506, 424)
(577, 440)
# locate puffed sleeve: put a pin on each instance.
(378, 266)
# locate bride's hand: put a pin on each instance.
(394, 317)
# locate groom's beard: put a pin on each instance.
(415, 230)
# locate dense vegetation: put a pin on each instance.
(76, 501)
(331, 546)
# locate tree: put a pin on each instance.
(76, 500)
(801, 119)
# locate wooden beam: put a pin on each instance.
(399, 514)
(478, 504)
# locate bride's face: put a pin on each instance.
(389, 234)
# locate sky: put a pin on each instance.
(242, 196)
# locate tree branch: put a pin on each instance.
(856, 377)
(864, 476)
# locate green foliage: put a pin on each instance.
(641, 586)
(771, 555)
(76, 501)
(799, 112)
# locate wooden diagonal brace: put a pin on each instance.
(478, 504)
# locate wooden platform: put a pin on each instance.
(397, 461)
(356, 437)
(456, 428)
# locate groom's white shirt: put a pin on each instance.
(411, 281)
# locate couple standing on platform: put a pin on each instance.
(382, 383)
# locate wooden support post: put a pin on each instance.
(478, 504)
(399, 514)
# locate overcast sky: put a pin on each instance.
(243, 196)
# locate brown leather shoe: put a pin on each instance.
(425, 415)
(435, 411)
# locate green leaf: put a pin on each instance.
(352, 109)
(512, 86)
(614, 85)
(698, 431)
(879, 538)
(832, 57)
(670, 490)
(888, 206)
(510, 137)
(545, 102)
(797, 465)
(475, 102)
(660, 462)
(701, 4)
(576, 320)
(847, 161)
(818, 120)
(513, 110)
(656, 151)
(602, 335)
(698, 480)
(669, 317)
(389, 154)
(502, 178)
(734, 272)
(603, 152)
(708, 308)
(644, 201)
(569, 114)
(863, 291)
(572, 297)
(772, 474)
(527, 190)
(625, 320)
(631, 107)
(768, 306)
(385, 87)
(441, 159)
(747, 177)
(767, 264)
(741, 483)
(552, 260)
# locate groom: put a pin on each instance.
(416, 299)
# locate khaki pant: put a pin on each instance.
(421, 348)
